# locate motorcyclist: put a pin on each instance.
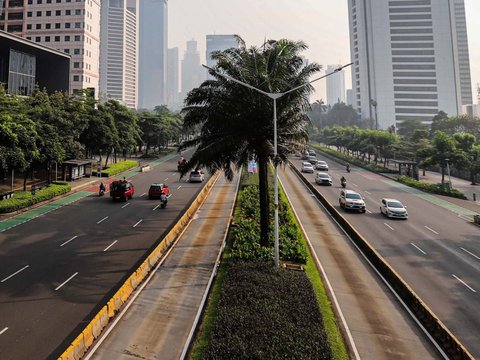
(343, 181)
(163, 198)
(101, 189)
(348, 167)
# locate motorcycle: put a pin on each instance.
(344, 183)
(101, 190)
(163, 201)
(348, 168)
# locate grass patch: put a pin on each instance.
(432, 188)
(117, 168)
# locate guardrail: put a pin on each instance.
(92, 331)
(439, 332)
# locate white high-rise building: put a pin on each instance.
(335, 85)
(72, 27)
(173, 63)
(410, 59)
(219, 43)
(152, 82)
(119, 51)
(192, 71)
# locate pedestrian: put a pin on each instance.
(99, 171)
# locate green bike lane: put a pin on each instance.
(71, 198)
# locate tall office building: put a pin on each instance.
(192, 72)
(153, 53)
(119, 51)
(173, 96)
(410, 59)
(335, 85)
(219, 43)
(68, 26)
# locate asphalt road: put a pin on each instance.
(436, 251)
(57, 268)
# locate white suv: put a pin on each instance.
(351, 200)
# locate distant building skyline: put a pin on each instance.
(425, 43)
(173, 79)
(192, 71)
(218, 43)
(335, 85)
(152, 79)
(119, 51)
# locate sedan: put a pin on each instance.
(321, 165)
(393, 209)
(197, 176)
(307, 167)
(323, 179)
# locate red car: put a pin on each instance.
(123, 190)
(156, 190)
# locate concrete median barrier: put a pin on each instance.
(444, 338)
(77, 349)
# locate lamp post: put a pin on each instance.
(274, 97)
(374, 104)
(448, 172)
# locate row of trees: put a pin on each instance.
(43, 129)
(453, 139)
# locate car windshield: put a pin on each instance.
(394, 204)
(353, 196)
(321, 162)
(323, 176)
(307, 165)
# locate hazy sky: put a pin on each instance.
(322, 24)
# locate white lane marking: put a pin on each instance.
(70, 278)
(143, 194)
(388, 226)
(156, 207)
(423, 252)
(105, 218)
(1, 332)
(179, 187)
(66, 242)
(125, 205)
(173, 173)
(464, 283)
(354, 184)
(426, 227)
(468, 252)
(15, 273)
(109, 246)
(368, 211)
(165, 179)
(367, 192)
(465, 217)
(139, 221)
(169, 196)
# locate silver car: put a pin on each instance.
(321, 165)
(307, 167)
(351, 200)
(393, 208)
(323, 179)
(196, 176)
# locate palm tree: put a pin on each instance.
(236, 123)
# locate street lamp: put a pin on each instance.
(374, 104)
(448, 172)
(274, 97)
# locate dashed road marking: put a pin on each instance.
(105, 218)
(464, 283)
(391, 228)
(156, 207)
(66, 242)
(179, 187)
(470, 253)
(423, 252)
(2, 331)
(426, 227)
(143, 194)
(15, 273)
(66, 281)
(124, 206)
(138, 222)
(367, 192)
(109, 246)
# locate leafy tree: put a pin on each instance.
(408, 128)
(236, 122)
(443, 147)
(342, 114)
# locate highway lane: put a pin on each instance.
(436, 251)
(56, 268)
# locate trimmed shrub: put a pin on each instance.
(267, 313)
(117, 168)
(432, 188)
(246, 233)
(23, 199)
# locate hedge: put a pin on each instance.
(267, 313)
(432, 188)
(117, 168)
(23, 199)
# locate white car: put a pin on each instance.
(321, 165)
(307, 167)
(323, 179)
(393, 208)
(351, 200)
(312, 159)
(196, 176)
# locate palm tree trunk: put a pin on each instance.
(264, 201)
